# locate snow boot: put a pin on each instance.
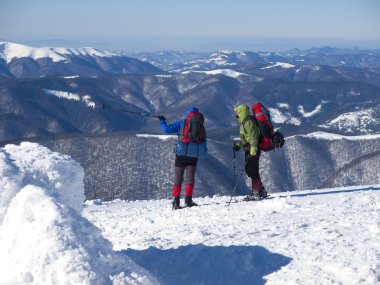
(176, 204)
(262, 192)
(189, 201)
(255, 194)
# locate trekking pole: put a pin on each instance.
(104, 106)
(237, 183)
(234, 167)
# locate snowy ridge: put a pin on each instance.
(226, 72)
(10, 51)
(43, 237)
(331, 136)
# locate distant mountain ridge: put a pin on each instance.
(225, 58)
(20, 61)
(43, 96)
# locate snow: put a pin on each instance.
(357, 120)
(63, 94)
(49, 236)
(280, 64)
(283, 105)
(161, 137)
(43, 237)
(280, 118)
(328, 236)
(85, 51)
(226, 72)
(330, 136)
(87, 100)
(71, 96)
(309, 114)
(163, 75)
(9, 51)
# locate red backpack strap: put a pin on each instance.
(184, 132)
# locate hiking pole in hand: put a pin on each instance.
(104, 106)
(237, 183)
(234, 167)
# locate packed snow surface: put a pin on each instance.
(328, 236)
(43, 237)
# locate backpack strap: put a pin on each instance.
(246, 119)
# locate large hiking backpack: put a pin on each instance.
(192, 137)
(193, 129)
(269, 139)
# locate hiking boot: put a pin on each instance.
(263, 193)
(254, 196)
(189, 201)
(176, 204)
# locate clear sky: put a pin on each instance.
(140, 25)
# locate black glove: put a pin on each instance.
(236, 146)
(161, 118)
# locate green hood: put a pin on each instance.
(242, 111)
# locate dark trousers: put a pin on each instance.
(188, 165)
(252, 165)
(182, 164)
(190, 175)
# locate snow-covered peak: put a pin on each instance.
(9, 51)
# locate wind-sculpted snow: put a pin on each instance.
(43, 237)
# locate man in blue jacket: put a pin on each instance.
(191, 144)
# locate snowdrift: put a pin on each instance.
(43, 237)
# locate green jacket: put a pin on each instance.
(249, 132)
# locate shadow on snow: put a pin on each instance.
(200, 264)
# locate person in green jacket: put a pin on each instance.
(249, 142)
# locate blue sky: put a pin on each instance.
(192, 25)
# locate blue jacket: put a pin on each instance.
(187, 149)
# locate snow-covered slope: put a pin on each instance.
(43, 237)
(10, 51)
(21, 61)
(329, 236)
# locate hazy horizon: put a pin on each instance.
(200, 45)
(148, 25)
